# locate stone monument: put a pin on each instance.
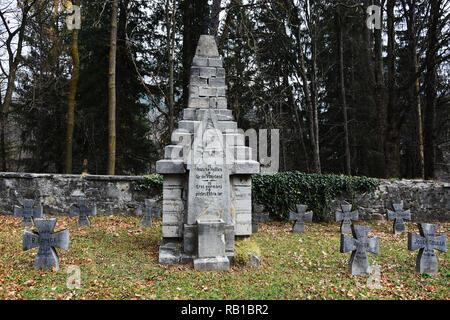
(83, 212)
(149, 210)
(207, 173)
(300, 216)
(346, 216)
(47, 241)
(398, 215)
(359, 245)
(27, 212)
(427, 242)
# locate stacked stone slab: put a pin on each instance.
(187, 230)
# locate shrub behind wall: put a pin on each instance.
(279, 193)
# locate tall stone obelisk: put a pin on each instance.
(207, 173)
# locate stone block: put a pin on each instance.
(168, 256)
(221, 91)
(171, 218)
(207, 47)
(229, 238)
(206, 72)
(227, 125)
(221, 103)
(172, 231)
(212, 264)
(246, 167)
(181, 137)
(173, 205)
(234, 139)
(190, 239)
(211, 238)
(174, 152)
(195, 71)
(215, 62)
(220, 73)
(213, 103)
(243, 229)
(207, 92)
(188, 125)
(217, 82)
(198, 81)
(172, 193)
(200, 102)
(170, 166)
(200, 61)
(189, 114)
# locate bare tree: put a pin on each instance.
(71, 100)
(339, 31)
(112, 90)
(13, 45)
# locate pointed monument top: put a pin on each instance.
(207, 47)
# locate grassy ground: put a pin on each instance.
(119, 260)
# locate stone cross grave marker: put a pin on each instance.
(359, 245)
(300, 217)
(47, 241)
(82, 210)
(258, 215)
(149, 210)
(27, 212)
(427, 242)
(346, 216)
(398, 215)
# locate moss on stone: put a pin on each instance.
(244, 250)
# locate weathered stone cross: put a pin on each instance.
(47, 241)
(149, 210)
(427, 242)
(346, 216)
(300, 217)
(27, 212)
(398, 215)
(359, 245)
(83, 211)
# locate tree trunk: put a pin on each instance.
(170, 38)
(215, 18)
(431, 90)
(112, 90)
(348, 169)
(310, 97)
(379, 88)
(14, 58)
(391, 151)
(314, 100)
(414, 71)
(71, 100)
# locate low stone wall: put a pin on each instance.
(427, 200)
(56, 192)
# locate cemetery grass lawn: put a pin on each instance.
(119, 260)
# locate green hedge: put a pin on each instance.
(279, 193)
(153, 181)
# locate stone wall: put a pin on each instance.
(111, 194)
(428, 200)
